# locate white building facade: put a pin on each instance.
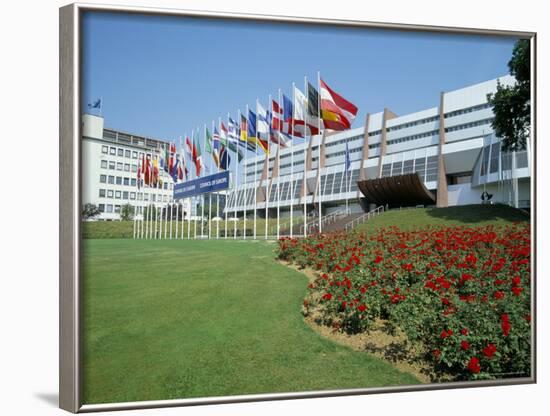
(452, 147)
(110, 161)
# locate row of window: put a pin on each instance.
(119, 151)
(112, 165)
(110, 208)
(140, 196)
(331, 183)
(119, 180)
(413, 137)
(467, 110)
(413, 123)
(469, 125)
(425, 167)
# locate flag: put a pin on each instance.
(139, 173)
(174, 172)
(233, 132)
(348, 160)
(299, 117)
(197, 157)
(147, 171)
(189, 146)
(172, 157)
(253, 138)
(227, 141)
(337, 112)
(95, 104)
(265, 130)
(244, 128)
(156, 177)
(225, 159)
(216, 147)
(277, 117)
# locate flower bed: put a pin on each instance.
(461, 293)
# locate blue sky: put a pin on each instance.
(163, 76)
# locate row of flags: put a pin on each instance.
(304, 116)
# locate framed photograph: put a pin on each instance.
(271, 207)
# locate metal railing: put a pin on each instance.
(365, 217)
(313, 226)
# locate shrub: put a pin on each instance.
(461, 293)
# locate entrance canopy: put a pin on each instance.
(401, 190)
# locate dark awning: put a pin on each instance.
(401, 190)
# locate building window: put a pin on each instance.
(133, 181)
(110, 193)
(153, 197)
(146, 197)
(119, 166)
(134, 168)
(112, 151)
(132, 195)
(165, 185)
(111, 179)
(119, 180)
(165, 198)
(103, 164)
(117, 209)
(109, 208)
(102, 193)
(140, 196)
(118, 194)
(112, 165)
(105, 149)
(128, 153)
(121, 152)
(125, 195)
(126, 181)
(101, 207)
(126, 167)
(102, 178)
(134, 155)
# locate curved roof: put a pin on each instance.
(403, 190)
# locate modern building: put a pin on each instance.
(110, 161)
(450, 150)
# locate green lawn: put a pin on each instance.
(170, 319)
(458, 215)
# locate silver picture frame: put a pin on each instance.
(70, 182)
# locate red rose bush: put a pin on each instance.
(461, 293)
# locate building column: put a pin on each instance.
(364, 153)
(442, 193)
(261, 193)
(388, 115)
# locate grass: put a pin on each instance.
(170, 319)
(458, 215)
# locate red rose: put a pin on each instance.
(464, 331)
(436, 353)
(473, 365)
(327, 296)
(362, 308)
(516, 281)
(378, 259)
(465, 345)
(517, 291)
(489, 350)
(498, 295)
(505, 324)
(445, 334)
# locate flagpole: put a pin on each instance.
(228, 168)
(210, 193)
(279, 179)
(256, 168)
(195, 198)
(134, 224)
(218, 193)
(292, 162)
(235, 189)
(245, 200)
(267, 175)
(203, 199)
(319, 190)
(171, 217)
(304, 182)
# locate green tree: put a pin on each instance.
(512, 104)
(127, 212)
(90, 211)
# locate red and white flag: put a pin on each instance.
(337, 112)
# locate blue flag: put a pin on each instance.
(95, 104)
(251, 124)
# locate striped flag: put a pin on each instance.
(299, 116)
(337, 112)
(230, 141)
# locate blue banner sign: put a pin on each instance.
(212, 183)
